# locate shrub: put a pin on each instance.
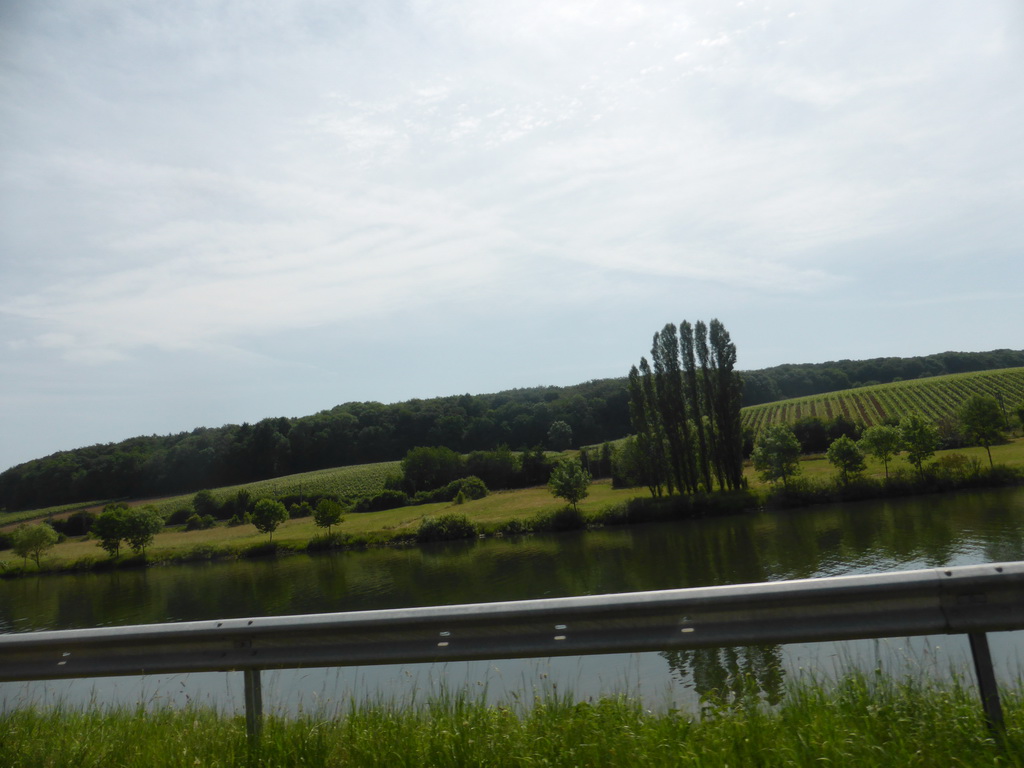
(197, 523)
(78, 524)
(302, 509)
(446, 528)
(513, 528)
(567, 518)
(470, 487)
(180, 516)
(383, 500)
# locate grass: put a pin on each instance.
(863, 720)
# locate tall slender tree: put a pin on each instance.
(728, 396)
(672, 406)
(641, 416)
(707, 404)
(686, 411)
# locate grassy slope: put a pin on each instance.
(496, 508)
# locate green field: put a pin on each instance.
(936, 398)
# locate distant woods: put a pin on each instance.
(685, 411)
(353, 433)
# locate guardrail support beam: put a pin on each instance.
(253, 703)
(987, 681)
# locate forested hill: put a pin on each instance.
(357, 433)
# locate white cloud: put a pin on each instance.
(203, 176)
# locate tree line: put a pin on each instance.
(352, 433)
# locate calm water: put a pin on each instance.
(933, 531)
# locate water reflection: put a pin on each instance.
(725, 677)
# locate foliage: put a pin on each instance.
(350, 434)
(559, 436)
(883, 442)
(327, 514)
(300, 509)
(569, 481)
(846, 456)
(686, 410)
(919, 439)
(32, 540)
(470, 488)
(446, 527)
(140, 526)
(267, 515)
(200, 523)
(982, 421)
(776, 454)
(204, 504)
(111, 528)
(381, 501)
(428, 468)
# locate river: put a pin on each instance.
(827, 540)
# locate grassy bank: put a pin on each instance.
(860, 721)
(534, 509)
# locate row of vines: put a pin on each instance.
(935, 399)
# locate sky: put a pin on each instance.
(214, 212)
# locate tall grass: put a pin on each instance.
(862, 720)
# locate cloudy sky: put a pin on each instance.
(214, 211)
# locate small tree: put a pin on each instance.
(267, 514)
(328, 513)
(883, 442)
(140, 526)
(845, 455)
(919, 439)
(111, 528)
(569, 481)
(981, 420)
(776, 454)
(32, 540)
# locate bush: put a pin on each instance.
(470, 487)
(180, 516)
(197, 523)
(567, 518)
(78, 524)
(446, 528)
(302, 509)
(513, 528)
(383, 500)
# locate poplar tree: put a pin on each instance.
(687, 417)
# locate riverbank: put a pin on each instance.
(863, 720)
(533, 510)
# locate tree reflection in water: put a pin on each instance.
(726, 678)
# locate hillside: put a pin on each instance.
(368, 432)
(936, 398)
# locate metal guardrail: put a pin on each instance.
(970, 600)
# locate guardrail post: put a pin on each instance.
(987, 681)
(253, 704)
